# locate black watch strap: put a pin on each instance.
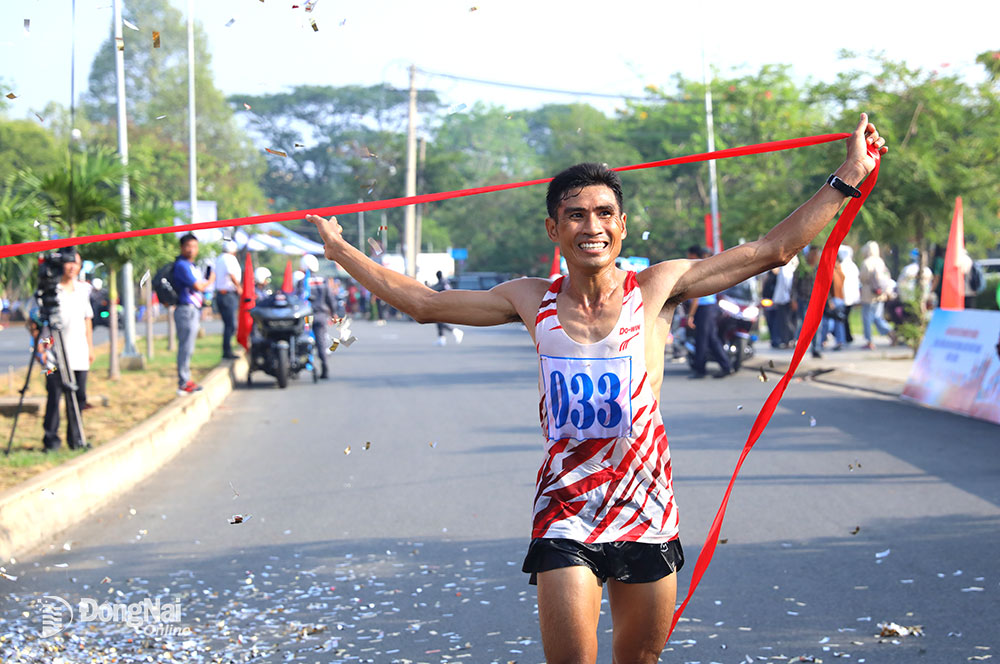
(843, 187)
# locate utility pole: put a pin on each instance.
(128, 296)
(361, 227)
(713, 180)
(192, 146)
(409, 233)
(421, 156)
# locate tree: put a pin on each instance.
(24, 144)
(157, 90)
(20, 211)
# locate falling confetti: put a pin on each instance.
(160, 117)
(343, 23)
(458, 108)
(11, 95)
(882, 554)
(740, 407)
(376, 247)
(432, 444)
(230, 22)
(315, 27)
(645, 235)
(763, 376)
(129, 24)
(310, 5)
(347, 450)
(9, 577)
(106, 579)
(812, 421)
(27, 26)
(239, 518)
(367, 446)
(236, 494)
(383, 228)
(276, 152)
(40, 118)
(156, 39)
(473, 9)
(299, 145)
(246, 106)
(857, 529)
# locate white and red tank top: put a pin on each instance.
(606, 475)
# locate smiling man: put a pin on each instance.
(604, 510)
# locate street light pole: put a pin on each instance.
(192, 146)
(713, 179)
(410, 234)
(128, 297)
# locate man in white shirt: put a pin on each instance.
(227, 294)
(76, 316)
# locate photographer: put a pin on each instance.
(77, 316)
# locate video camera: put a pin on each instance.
(50, 273)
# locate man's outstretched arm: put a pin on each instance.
(683, 279)
(423, 304)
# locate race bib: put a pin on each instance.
(588, 397)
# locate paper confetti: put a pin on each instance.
(27, 26)
(309, 5)
(882, 554)
(9, 577)
(40, 118)
(376, 247)
(299, 145)
(762, 376)
(11, 95)
(246, 106)
(239, 518)
(130, 24)
(432, 444)
(276, 152)
(857, 529)
(645, 235)
(347, 450)
(230, 22)
(156, 39)
(812, 421)
(368, 445)
(315, 27)
(894, 629)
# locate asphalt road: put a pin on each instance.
(410, 550)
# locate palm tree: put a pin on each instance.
(20, 211)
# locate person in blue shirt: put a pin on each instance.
(703, 318)
(190, 285)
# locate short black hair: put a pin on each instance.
(187, 237)
(695, 249)
(579, 176)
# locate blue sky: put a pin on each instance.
(581, 45)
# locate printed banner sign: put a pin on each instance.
(958, 365)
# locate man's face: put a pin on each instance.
(589, 227)
(189, 250)
(71, 269)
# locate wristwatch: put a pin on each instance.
(843, 187)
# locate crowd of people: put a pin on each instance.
(885, 302)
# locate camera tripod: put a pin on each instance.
(67, 377)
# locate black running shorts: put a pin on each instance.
(628, 562)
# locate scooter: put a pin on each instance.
(737, 324)
(281, 344)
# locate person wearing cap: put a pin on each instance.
(227, 294)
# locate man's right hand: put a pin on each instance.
(331, 232)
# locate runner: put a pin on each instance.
(604, 509)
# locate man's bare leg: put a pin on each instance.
(641, 613)
(569, 606)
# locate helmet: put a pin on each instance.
(261, 275)
(309, 263)
(297, 276)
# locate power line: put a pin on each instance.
(533, 88)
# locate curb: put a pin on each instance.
(828, 375)
(44, 505)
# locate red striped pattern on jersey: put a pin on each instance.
(604, 489)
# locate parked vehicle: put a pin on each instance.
(281, 345)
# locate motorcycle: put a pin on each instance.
(281, 344)
(737, 324)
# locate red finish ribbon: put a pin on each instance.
(814, 314)
(46, 245)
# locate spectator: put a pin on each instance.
(975, 280)
(262, 282)
(443, 285)
(703, 318)
(228, 286)
(324, 307)
(805, 277)
(915, 283)
(77, 317)
(875, 288)
(937, 269)
(852, 287)
(835, 309)
(191, 286)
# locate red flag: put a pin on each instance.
(554, 270)
(953, 286)
(248, 300)
(286, 283)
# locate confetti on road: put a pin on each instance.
(882, 554)
(239, 518)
